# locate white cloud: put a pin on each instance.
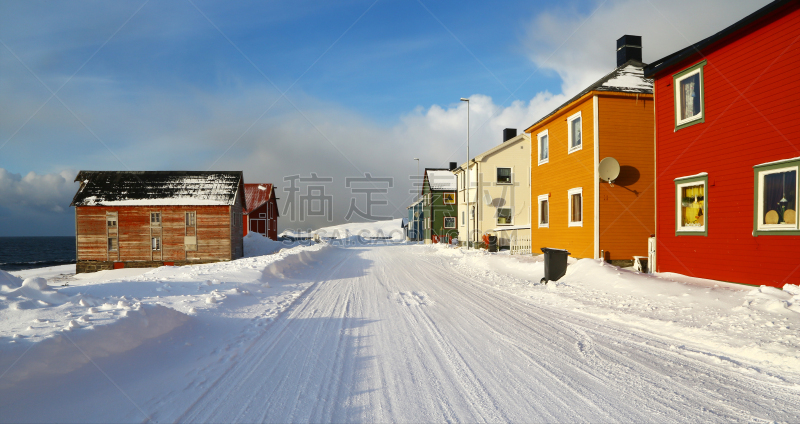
(580, 47)
(48, 192)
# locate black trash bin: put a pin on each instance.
(555, 264)
(493, 243)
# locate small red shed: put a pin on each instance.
(727, 152)
(261, 214)
(152, 218)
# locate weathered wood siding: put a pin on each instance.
(627, 210)
(751, 84)
(214, 238)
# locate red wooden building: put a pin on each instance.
(261, 214)
(728, 152)
(154, 218)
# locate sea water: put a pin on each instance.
(17, 253)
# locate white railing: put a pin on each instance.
(520, 246)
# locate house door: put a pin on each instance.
(258, 226)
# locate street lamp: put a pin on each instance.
(467, 181)
(420, 190)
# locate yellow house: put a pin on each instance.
(572, 208)
(499, 201)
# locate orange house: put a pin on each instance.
(572, 208)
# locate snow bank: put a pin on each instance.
(256, 244)
(293, 260)
(75, 345)
(704, 317)
(9, 280)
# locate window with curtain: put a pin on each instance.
(504, 175)
(575, 130)
(575, 199)
(544, 211)
(777, 198)
(689, 96)
(544, 153)
(693, 205)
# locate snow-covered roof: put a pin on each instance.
(442, 180)
(256, 195)
(627, 78)
(157, 188)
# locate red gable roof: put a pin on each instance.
(256, 195)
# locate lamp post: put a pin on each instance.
(468, 181)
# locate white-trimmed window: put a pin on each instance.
(155, 219)
(544, 149)
(463, 218)
(449, 222)
(777, 197)
(191, 219)
(427, 223)
(155, 243)
(544, 210)
(504, 216)
(574, 133)
(689, 97)
(691, 205)
(575, 199)
(262, 215)
(503, 175)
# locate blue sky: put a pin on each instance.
(369, 85)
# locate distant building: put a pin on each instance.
(440, 223)
(261, 213)
(416, 217)
(152, 218)
(727, 152)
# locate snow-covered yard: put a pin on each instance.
(393, 332)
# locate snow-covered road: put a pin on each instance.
(388, 335)
(396, 334)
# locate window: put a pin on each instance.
(449, 222)
(111, 220)
(689, 100)
(575, 207)
(155, 219)
(776, 198)
(155, 243)
(691, 205)
(262, 215)
(544, 210)
(427, 198)
(112, 244)
(544, 154)
(503, 216)
(574, 133)
(449, 198)
(427, 223)
(503, 175)
(463, 218)
(191, 219)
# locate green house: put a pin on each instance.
(439, 205)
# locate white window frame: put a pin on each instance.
(155, 244)
(156, 223)
(262, 215)
(444, 223)
(570, 193)
(510, 174)
(691, 71)
(510, 217)
(571, 149)
(760, 205)
(679, 228)
(539, 136)
(543, 198)
(463, 218)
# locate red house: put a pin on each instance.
(153, 218)
(261, 214)
(728, 152)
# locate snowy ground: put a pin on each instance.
(393, 332)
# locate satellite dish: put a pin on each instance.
(487, 198)
(608, 170)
